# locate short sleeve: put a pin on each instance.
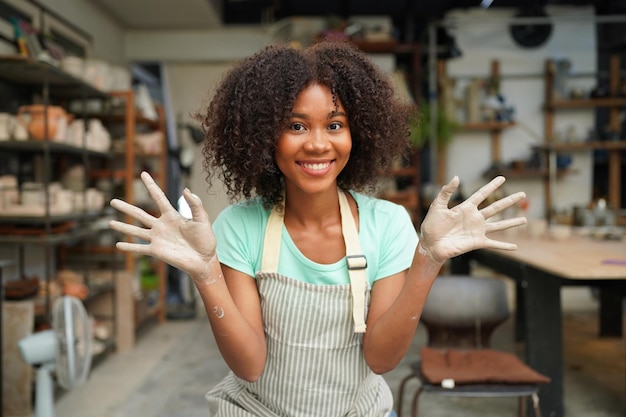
(398, 242)
(239, 230)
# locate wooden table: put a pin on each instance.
(540, 267)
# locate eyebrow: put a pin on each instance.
(330, 115)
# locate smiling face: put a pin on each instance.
(316, 146)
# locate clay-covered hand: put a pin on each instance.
(186, 244)
(448, 232)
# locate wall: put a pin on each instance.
(482, 39)
(108, 36)
(226, 44)
(190, 87)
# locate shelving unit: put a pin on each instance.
(46, 230)
(67, 238)
(614, 103)
(148, 303)
(492, 127)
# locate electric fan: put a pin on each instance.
(65, 350)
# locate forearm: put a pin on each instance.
(241, 344)
(388, 340)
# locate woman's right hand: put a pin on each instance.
(186, 244)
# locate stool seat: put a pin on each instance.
(475, 390)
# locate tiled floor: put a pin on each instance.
(175, 363)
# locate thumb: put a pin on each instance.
(443, 198)
(198, 213)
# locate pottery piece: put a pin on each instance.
(7, 126)
(44, 122)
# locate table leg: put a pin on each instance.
(544, 336)
(460, 265)
(520, 311)
(610, 313)
(1, 342)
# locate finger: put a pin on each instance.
(133, 211)
(140, 248)
(498, 244)
(443, 198)
(158, 196)
(198, 213)
(502, 204)
(505, 224)
(486, 190)
(129, 229)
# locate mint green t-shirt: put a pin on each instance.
(386, 234)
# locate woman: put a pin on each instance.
(312, 288)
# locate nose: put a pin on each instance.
(317, 141)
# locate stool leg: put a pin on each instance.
(415, 400)
(401, 393)
(535, 398)
(521, 406)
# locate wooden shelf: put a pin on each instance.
(389, 46)
(582, 146)
(511, 173)
(586, 103)
(404, 172)
(121, 118)
(487, 126)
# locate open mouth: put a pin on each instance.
(317, 166)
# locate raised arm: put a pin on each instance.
(397, 301)
(230, 298)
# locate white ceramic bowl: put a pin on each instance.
(560, 231)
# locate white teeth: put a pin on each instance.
(318, 166)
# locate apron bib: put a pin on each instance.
(315, 365)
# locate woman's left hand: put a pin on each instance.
(448, 232)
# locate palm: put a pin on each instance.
(449, 232)
(186, 244)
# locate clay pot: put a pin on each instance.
(35, 117)
(80, 291)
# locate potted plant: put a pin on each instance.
(420, 126)
(420, 136)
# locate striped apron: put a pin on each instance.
(315, 365)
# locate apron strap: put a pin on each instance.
(272, 239)
(355, 260)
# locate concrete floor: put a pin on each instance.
(175, 363)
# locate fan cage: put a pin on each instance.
(73, 327)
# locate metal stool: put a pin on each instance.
(461, 313)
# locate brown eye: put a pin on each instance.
(298, 127)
